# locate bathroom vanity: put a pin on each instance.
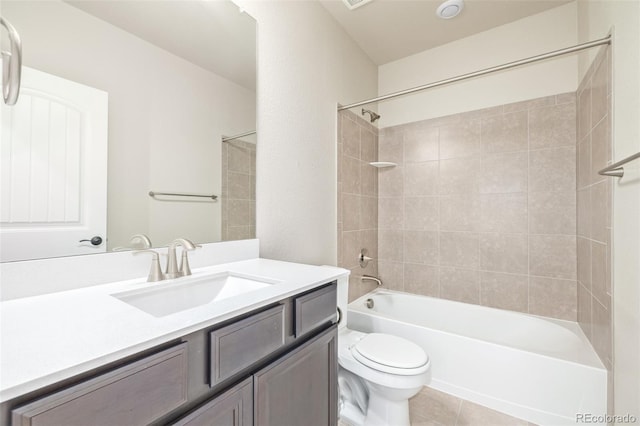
(268, 356)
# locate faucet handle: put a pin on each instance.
(363, 259)
(184, 269)
(184, 264)
(155, 273)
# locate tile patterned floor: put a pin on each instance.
(434, 408)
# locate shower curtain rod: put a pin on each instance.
(548, 55)
(241, 135)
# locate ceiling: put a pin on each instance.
(388, 30)
(218, 36)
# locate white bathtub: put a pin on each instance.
(538, 369)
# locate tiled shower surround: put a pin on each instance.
(481, 207)
(357, 199)
(501, 207)
(238, 200)
(594, 206)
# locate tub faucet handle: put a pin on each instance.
(363, 259)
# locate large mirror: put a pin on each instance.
(118, 131)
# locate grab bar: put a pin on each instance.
(616, 169)
(11, 65)
(154, 193)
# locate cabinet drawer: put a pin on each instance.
(234, 407)
(135, 394)
(245, 342)
(314, 309)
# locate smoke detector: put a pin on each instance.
(354, 4)
(449, 9)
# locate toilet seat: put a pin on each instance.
(390, 354)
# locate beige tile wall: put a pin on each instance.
(238, 198)
(481, 207)
(594, 206)
(357, 199)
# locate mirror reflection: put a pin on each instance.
(120, 99)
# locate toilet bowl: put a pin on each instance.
(377, 375)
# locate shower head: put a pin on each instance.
(372, 114)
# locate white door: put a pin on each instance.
(53, 156)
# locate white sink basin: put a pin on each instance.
(186, 293)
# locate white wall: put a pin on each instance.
(595, 19)
(306, 65)
(534, 35)
(166, 116)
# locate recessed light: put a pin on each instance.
(450, 9)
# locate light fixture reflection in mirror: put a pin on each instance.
(178, 75)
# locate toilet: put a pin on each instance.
(377, 374)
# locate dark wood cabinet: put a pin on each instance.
(300, 388)
(273, 366)
(297, 389)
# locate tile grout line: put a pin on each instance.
(459, 411)
(528, 213)
(481, 168)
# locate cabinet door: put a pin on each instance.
(232, 408)
(301, 387)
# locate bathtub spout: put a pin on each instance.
(371, 278)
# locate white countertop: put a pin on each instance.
(51, 337)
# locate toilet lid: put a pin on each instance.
(378, 351)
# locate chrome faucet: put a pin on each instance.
(172, 270)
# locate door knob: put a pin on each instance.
(96, 241)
